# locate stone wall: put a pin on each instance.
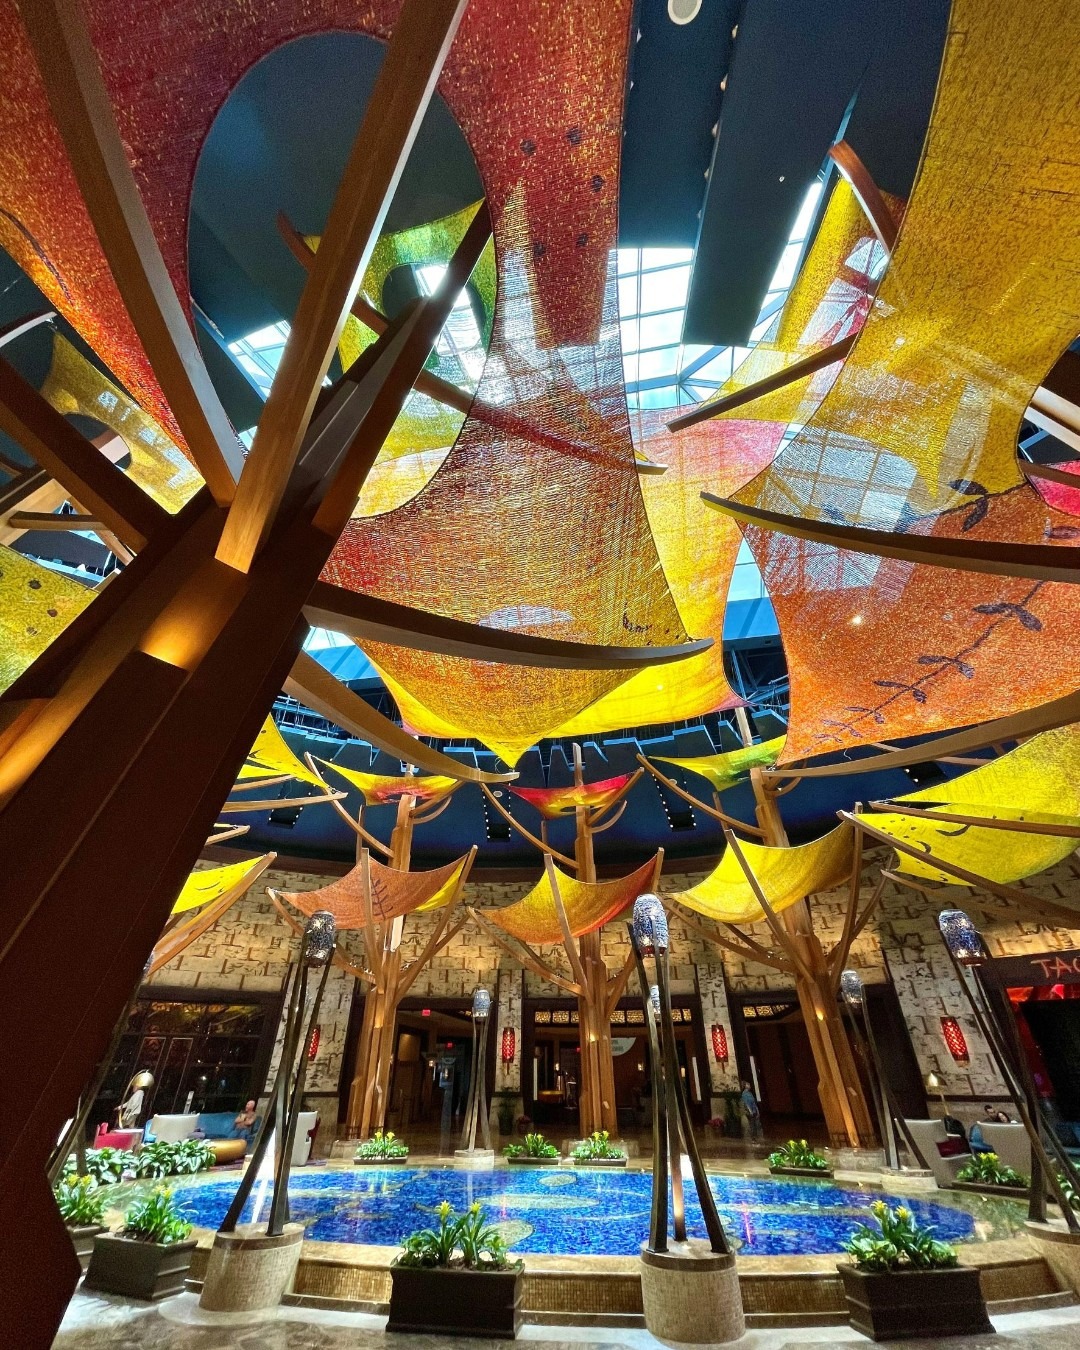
(250, 948)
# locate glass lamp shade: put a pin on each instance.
(851, 986)
(962, 938)
(481, 1003)
(320, 933)
(650, 925)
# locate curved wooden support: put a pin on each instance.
(778, 932)
(867, 193)
(438, 940)
(422, 817)
(607, 824)
(1062, 831)
(339, 957)
(276, 804)
(227, 832)
(569, 944)
(1048, 472)
(367, 618)
(596, 821)
(807, 365)
(713, 811)
(544, 847)
(1045, 909)
(617, 983)
(751, 952)
(851, 913)
(356, 825)
(965, 761)
(1040, 562)
(258, 784)
(524, 955)
(317, 689)
(183, 935)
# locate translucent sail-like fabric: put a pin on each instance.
(588, 904)
(918, 433)
(1038, 781)
(560, 801)
(202, 888)
(785, 875)
(378, 788)
(270, 756)
(731, 767)
(828, 300)
(393, 893)
(36, 605)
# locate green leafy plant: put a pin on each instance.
(156, 1218)
(79, 1201)
(597, 1146)
(533, 1146)
(381, 1146)
(1069, 1191)
(988, 1170)
(798, 1153)
(105, 1166)
(899, 1243)
(464, 1240)
(164, 1159)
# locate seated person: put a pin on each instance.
(991, 1116)
(245, 1121)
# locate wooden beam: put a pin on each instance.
(64, 453)
(315, 687)
(80, 104)
(406, 82)
(867, 193)
(177, 939)
(1050, 473)
(524, 955)
(751, 952)
(1062, 831)
(806, 365)
(526, 834)
(712, 811)
(1040, 562)
(50, 522)
(368, 618)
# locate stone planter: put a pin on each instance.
(1059, 1248)
(534, 1162)
(983, 1188)
(249, 1271)
(82, 1239)
(144, 1270)
(599, 1162)
(927, 1303)
(454, 1301)
(825, 1175)
(380, 1162)
(691, 1295)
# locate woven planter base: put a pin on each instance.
(248, 1271)
(691, 1295)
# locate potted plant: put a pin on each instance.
(797, 1159)
(987, 1173)
(535, 1150)
(82, 1208)
(161, 1158)
(505, 1102)
(904, 1282)
(149, 1257)
(456, 1279)
(598, 1151)
(381, 1148)
(106, 1166)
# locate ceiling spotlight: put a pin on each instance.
(855, 619)
(683, 11)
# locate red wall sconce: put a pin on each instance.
(508, 1046)
(313, 1044)
(719, 1043)
(955, 1040)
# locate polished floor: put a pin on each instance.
(100, 1323)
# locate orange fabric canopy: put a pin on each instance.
(393, 893)
(588, 904)
(560, 801)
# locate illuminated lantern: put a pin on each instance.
(508, 1045)
(955, 1040)
(313, 1044)
(719, 1043)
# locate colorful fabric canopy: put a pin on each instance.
(731, 767)
(1038, 781)
(270, 757)
(393, 893)
(785, 875)
(562, 801)
(378, 788)
(588, 905)
(918, 434)
(36, 605)
(212, 883)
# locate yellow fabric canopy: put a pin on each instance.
(213, 882)
(1038, 781)
(731, 767)
(36, 605)
(785, 875)
(271, 756)
(378, 789)
(393, 893)
(588, 904)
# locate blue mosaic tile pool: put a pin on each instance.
(563, 1211)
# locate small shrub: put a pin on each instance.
(381, 1146)
(164, 1159)
(597, 1146)
(157, 1218)
(798, 1153)
(533, 1146)
(79, 1201)
(988, 1170)
(899, 1243)
(465, 1240)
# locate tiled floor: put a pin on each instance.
(99, 1323)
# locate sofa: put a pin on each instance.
(218, 1129)
(928, 1134)
(1010, 1143)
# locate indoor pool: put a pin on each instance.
(566, 1211)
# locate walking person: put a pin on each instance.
(751, 1111)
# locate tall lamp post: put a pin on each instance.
(714, 1313)
(476, 1111)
